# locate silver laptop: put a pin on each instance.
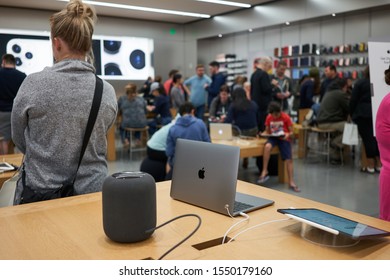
(221, 131)
(205, 175)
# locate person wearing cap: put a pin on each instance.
(160, 109)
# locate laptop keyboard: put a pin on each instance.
(240, 206)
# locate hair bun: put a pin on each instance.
(79, 9)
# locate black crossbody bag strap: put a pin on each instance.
(97, 98)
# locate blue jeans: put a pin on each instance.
(315, 107)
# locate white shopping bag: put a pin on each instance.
(350, 134)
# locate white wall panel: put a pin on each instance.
(379, 24)
(290, 35)
(332, 31)
(272, 39)
(241, 42)
(256, 41)
(310, 32)
(357, 28)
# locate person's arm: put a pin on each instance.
(290, 127)
(276, 90)
(146, 107)
(267, 125)
(186, 90)
(170, 150)
(19, 115)
(208, 79)
(175, 97)
(266, 88)
(188, 82)
(213, 107)
(288, 135)
(213, 88)
(157, 105)
(267, 130)
(290, 90)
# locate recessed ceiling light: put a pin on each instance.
(144, 9)
(220, 35)
(333, 15)
(228, 3)
(287, 23)
(250, 29)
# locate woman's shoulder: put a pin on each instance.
(386, 99)
(308, 82)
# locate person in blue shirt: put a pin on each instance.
(186, 127)
(217, 80)
(197, 84)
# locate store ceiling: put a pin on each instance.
(193, 6)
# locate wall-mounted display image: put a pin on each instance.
(32, 51)
(116, 58)
(129, 58)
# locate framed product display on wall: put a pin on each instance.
(115, 57)
(32, 50)
(125, 58)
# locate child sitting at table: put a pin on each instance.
(275, 122)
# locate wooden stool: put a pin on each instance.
(300, 133)
(144, 138)
(327, 134)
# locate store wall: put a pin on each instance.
(274, 13)
(329, 31)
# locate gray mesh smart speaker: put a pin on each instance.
(129, 206)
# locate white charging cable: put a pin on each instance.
(255, 226)
(234, 225)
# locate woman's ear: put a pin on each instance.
(57, 44)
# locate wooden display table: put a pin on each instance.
(71, 228)
(255, 148)
(15, 159)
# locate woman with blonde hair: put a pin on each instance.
(51, 111)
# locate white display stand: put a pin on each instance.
(325, 238)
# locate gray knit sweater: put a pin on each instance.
(49, 118)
